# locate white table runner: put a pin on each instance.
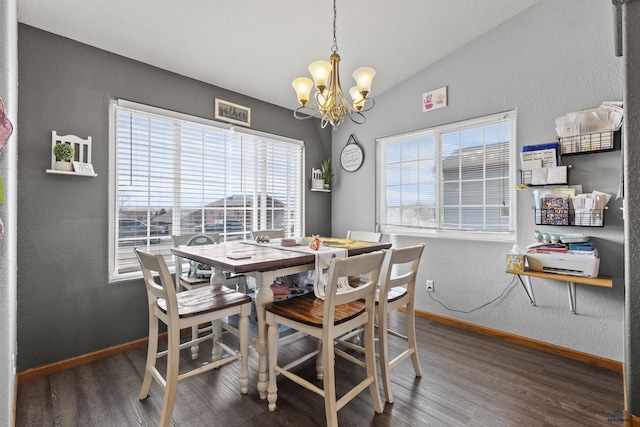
(324, 256)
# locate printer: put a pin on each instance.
(574, 263)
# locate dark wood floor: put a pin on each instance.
(468, 380)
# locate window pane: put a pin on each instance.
(472, 218)
(451, 192)
(472, 193)
(178, 177)
(463, 171)
(451, 217)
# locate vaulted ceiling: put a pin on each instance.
(257, 47)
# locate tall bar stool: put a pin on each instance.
(326, 320)
(396, 290)
(184, 310)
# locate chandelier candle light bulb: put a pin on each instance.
(332, 106)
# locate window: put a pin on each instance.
(454, 180)
(175, 174)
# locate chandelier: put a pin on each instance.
(331, 104)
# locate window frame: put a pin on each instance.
(252, 135)
(439, 231)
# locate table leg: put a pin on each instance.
(217, 279)
(264, 295)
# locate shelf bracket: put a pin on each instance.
(527, 288)
(571, 289)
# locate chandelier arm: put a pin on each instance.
(361, 118)
(307, 115)
(364, 108)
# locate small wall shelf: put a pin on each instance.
(526, 175)
(603, 281)
(55, 171)
(82, 159)
(321, 190)
(570, 217)
(590, 143)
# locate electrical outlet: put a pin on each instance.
(429, 285)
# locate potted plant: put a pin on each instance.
(64, 154)
(326, 173)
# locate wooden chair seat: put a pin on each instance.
(205, 300)
(309, 310)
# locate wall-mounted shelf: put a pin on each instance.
(55, 171)
(603, 281)
(322, 190)
(527, 175)
(570, 217)
(82, 158)
(590, 143)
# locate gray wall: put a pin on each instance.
(554, 58)
(65, 305)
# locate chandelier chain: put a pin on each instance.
(334, 49)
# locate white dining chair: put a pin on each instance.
(326, 320)
(183, 310)
(396, 292)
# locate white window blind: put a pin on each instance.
(175, 174)
(452, 179)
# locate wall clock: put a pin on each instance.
(352, 155)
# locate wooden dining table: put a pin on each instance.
(265, 262)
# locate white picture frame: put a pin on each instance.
(232, 113)
(352, 156)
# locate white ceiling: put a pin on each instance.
(257, 47)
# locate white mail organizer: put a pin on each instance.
(602, 119)
(548, 157)
(540, 167)
(545, 176)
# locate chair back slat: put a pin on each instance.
(366, 264)
(155, 265)
(399, 259)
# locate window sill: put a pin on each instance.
(455, 235)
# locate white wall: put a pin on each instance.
(8, 172)
(554, 58)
